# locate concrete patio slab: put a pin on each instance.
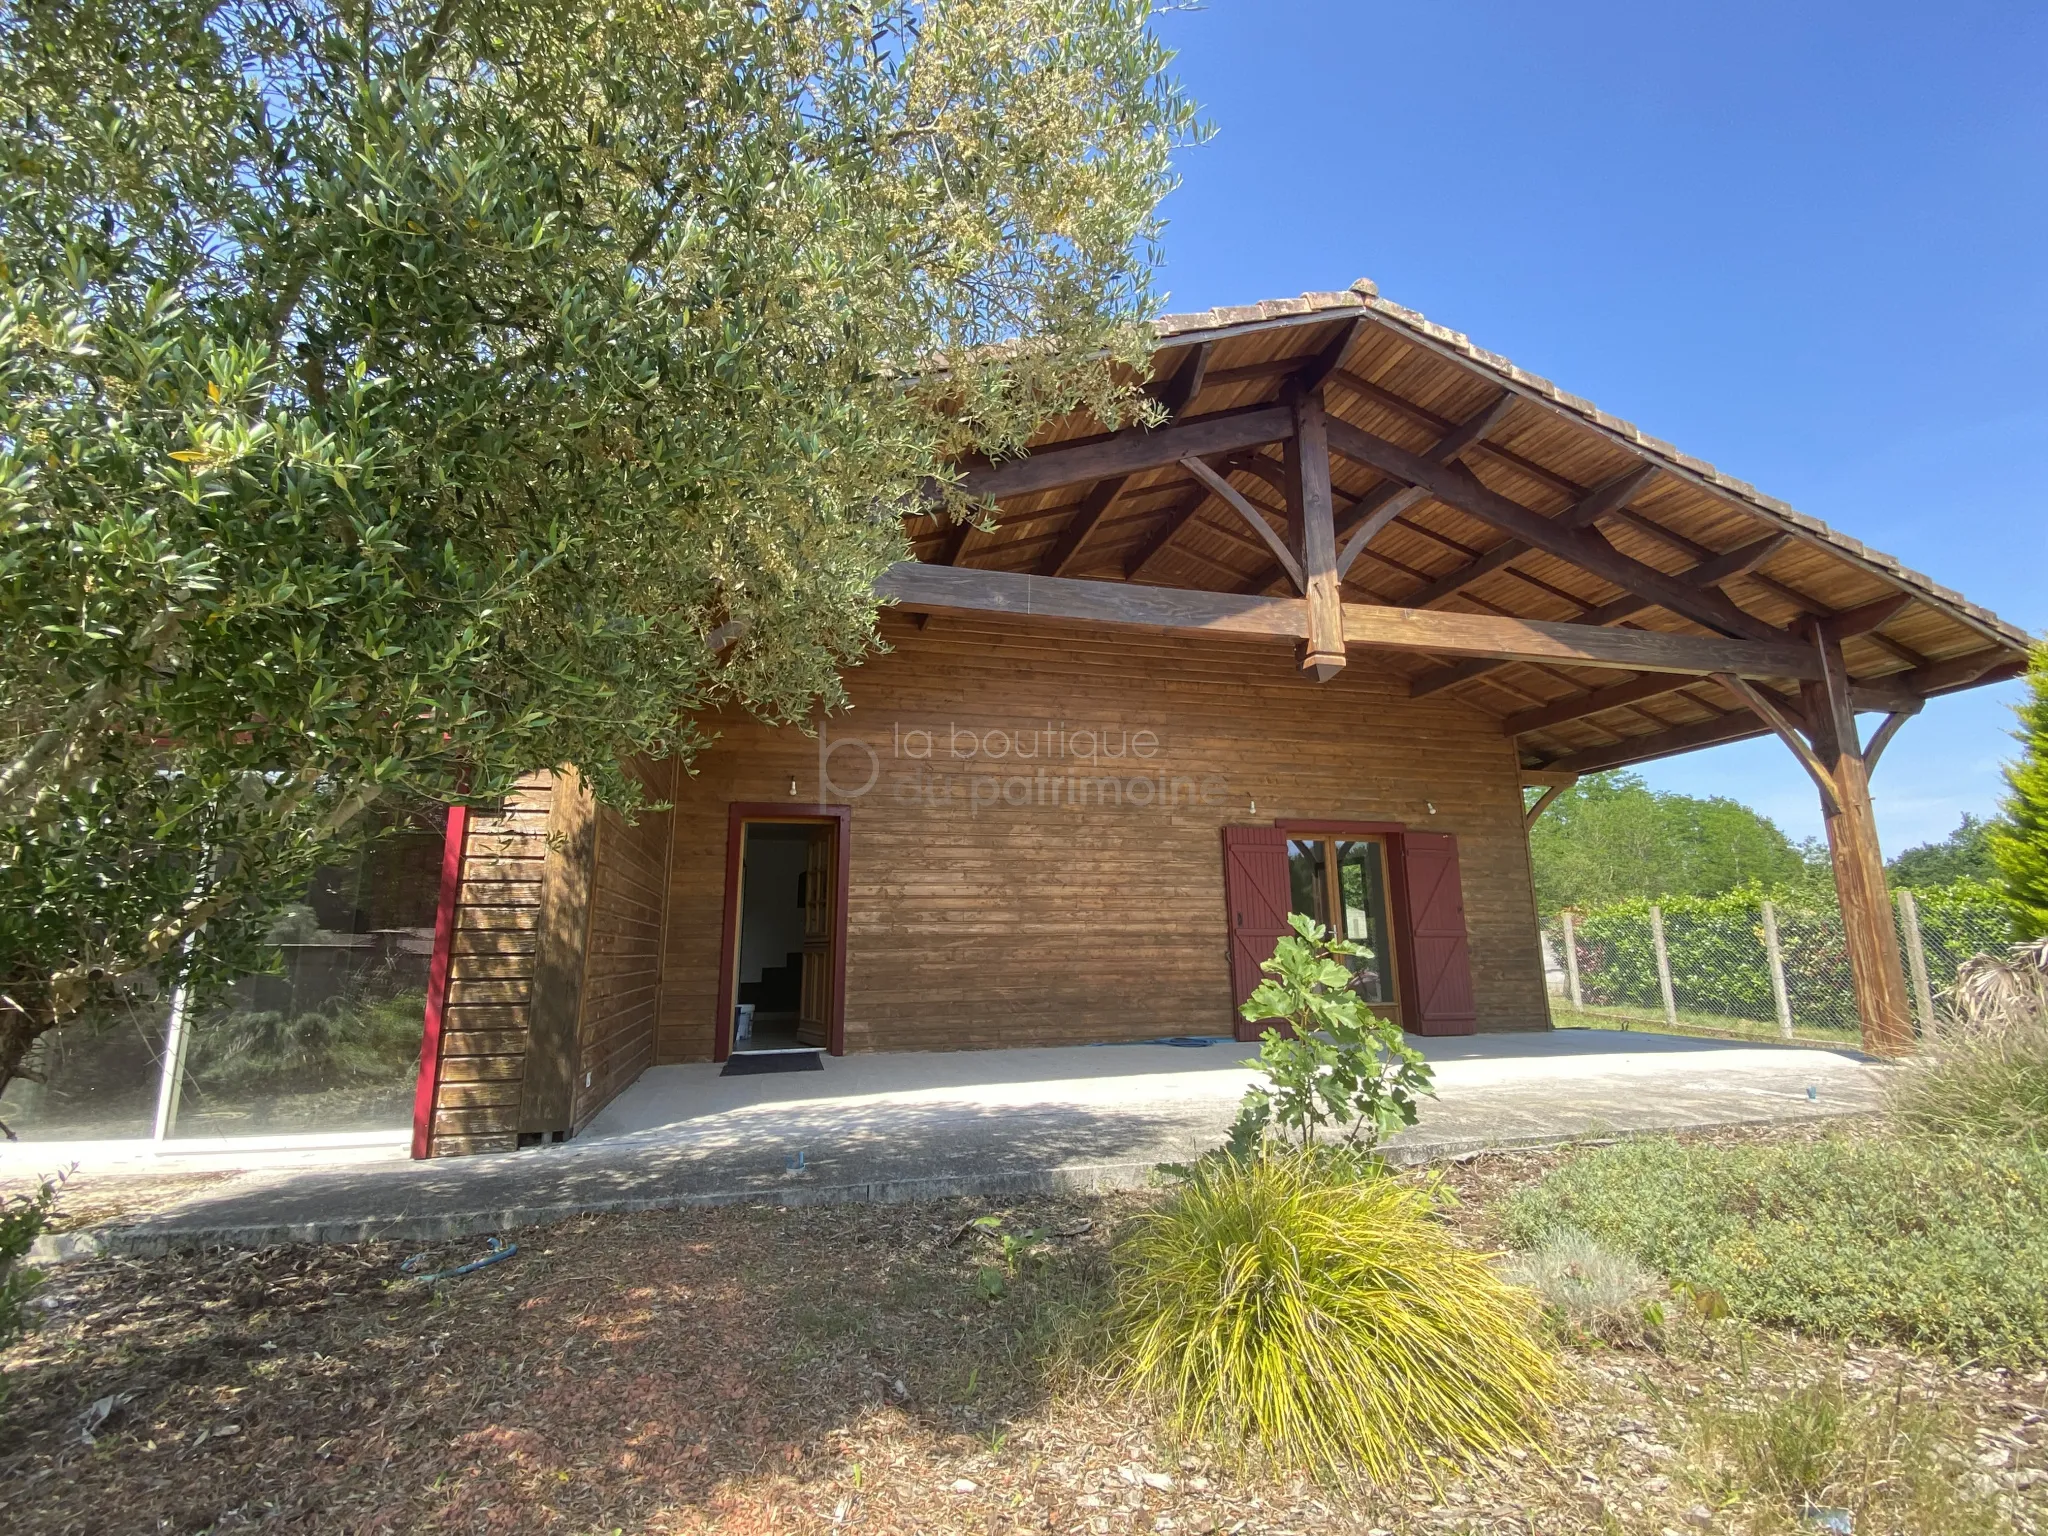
(904, 1126)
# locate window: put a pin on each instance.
(1347, 877)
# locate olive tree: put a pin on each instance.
(399, 395)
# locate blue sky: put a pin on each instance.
(1807, 242)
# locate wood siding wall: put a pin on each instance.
(614, 991)
(622, 968)
(490, 977)
(976, 920)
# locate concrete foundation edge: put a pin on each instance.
(1097, 1178)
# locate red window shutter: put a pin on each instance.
(1256, 897)
(1436, 924)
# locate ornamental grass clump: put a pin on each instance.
(1985, 1073)
(1590, 1291)
(1286, 1307)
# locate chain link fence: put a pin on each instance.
(1748, 967)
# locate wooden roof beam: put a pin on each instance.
(1233, 498)
(1861, 620)
(1596, 702)
(1902, 693)
(1309, 377)
(1609, 496)
(1582, 547)
(1724, 494)
(1707, 573)
(937, 589)
(1127, 452)
(1806, 606)
(1177, 393)
(1177, 518)
(1066, 549)
(1741, 725)
(1386, 503)
(1803, 603)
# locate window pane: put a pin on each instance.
(1306, 874)
(1361, 874)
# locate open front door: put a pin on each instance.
(1256, 900)
(814, 1017)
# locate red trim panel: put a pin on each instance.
(427, 1087)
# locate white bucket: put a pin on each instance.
(743, 1022)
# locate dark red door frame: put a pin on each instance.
(738, 814)
(1396, 835)
(427, 1087)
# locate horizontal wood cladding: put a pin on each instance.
(490, 976)
(1037, 898)
(622, 958)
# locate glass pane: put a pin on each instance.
(99, 1074)
(1361, 876)
(328, 1039)
(1306, 874)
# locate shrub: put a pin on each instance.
(1893, 1463)
(2019, 844)
(1324, 1322)
(1719, 962)
(355, 1039)
(1930, 1243)
(23, 1218)
(1986, 1074)
(1588, 1290)
(1989, 1089)
(1339, 1063)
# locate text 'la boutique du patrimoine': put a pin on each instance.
(1053, 765)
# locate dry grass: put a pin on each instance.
(754, 1370)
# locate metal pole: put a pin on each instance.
(1777, 954)
(1916, 962)
(170, 1084)
(1663, 966)
(1571, 958)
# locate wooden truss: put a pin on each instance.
(1764, 678)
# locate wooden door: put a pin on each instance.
(1442, 968)
(814, 1016)
(1256, 900)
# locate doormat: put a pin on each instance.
(748, 1063)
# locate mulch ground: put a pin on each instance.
(755, 1369)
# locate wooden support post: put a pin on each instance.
(1916, 963)
(1571, 959)
(1776, 953)
(1663, 966)
(1851, 821)
(1312, 530)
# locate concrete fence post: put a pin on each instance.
(1776, 952)
(1916, 962)
(1571, 958)
(1663, 966)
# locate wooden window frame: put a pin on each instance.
(739, 814)
(1395, 835)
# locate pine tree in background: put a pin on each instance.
(2020, 847)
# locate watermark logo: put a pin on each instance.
(977, 769)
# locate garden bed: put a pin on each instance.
(858, 1368)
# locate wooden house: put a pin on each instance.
(1312, 644)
